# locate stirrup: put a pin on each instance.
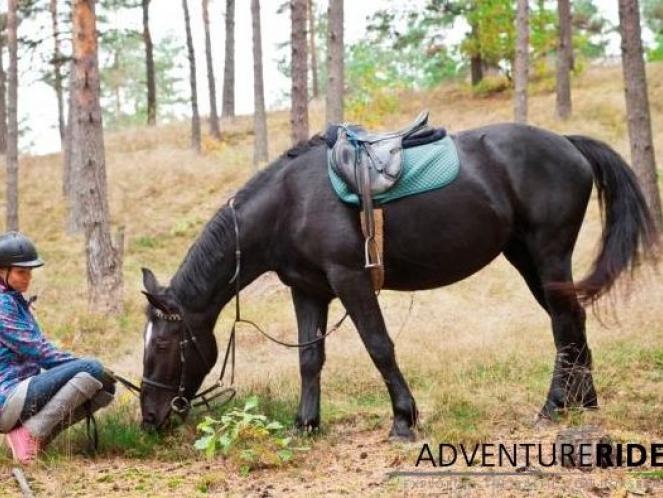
(367, 255)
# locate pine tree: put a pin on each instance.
(213, 115)
(104, 258)
(58, 59)
(521, 64)
(564, 60)
(195, 117)
(335, 63)
(299, 64)
(229, 67)
(637, 106)
(149, 66)
(12, 117)
(3, 87)
(314, 58)
(260, 149)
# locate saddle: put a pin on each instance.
(370, 164)
(379, 156)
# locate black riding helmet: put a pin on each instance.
(17, 250)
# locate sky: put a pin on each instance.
(37, 105)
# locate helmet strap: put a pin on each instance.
(6, 279)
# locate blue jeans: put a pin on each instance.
(43, 387)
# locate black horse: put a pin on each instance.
(521, 191)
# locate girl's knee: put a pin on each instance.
(93, 367)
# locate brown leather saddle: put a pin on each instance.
(370, 164)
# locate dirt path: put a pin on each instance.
(348, 461)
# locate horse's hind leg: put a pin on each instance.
(311, 316)
(572, 383)
(544, 262)
(353, 287)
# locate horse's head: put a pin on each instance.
(172, 366)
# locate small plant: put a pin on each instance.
(246, 435)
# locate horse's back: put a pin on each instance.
(543, 175)
(511, 176)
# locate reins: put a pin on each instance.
(180, 403)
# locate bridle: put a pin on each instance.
(180, 403)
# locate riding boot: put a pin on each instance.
(80, 388)
(100, 400)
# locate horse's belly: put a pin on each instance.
(441, 240)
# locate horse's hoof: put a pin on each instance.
(402, 434)
(307, 426)
(542, 421)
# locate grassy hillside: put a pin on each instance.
(478, 355)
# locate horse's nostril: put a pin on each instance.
(148, 426)
(149, 421)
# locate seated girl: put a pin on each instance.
(42, 389)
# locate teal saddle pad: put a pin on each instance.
(427, 167)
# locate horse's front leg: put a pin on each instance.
(311, 314)
(353, 287)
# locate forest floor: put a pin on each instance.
(478, 355)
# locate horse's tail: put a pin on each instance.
(629, 233)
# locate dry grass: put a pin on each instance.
(478, 355)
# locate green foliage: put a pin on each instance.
(491, 85)
(119, 434)
(371, 90)
(493, 31)
(425, 59)
(543, 37)
(123, 89)
(656, 53)
(589, 29)
(246, 435)
(652, 13)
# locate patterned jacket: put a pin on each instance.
(23, 349)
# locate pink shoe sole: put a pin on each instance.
(25, 461)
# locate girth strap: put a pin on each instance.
(375, 246)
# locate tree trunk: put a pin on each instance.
(260, 149)
(57, 70)
(476, 61)
(637, 106)
(476, 69)
(73, 223)
(229, 66)
(213, 116)
(12, 125)
(3, 100)
(564, 56)
(521, 63)
(104, 260)
(149, 66)
(299, 66)
(335, 64)
(195, 118)
(314, 56)
(116, 87)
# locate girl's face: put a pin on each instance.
(17, 277)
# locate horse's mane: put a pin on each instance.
(265, 176)
(212, 252)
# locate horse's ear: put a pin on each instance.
(159, 301)
(150, 281)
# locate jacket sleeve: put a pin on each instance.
(23, 337)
